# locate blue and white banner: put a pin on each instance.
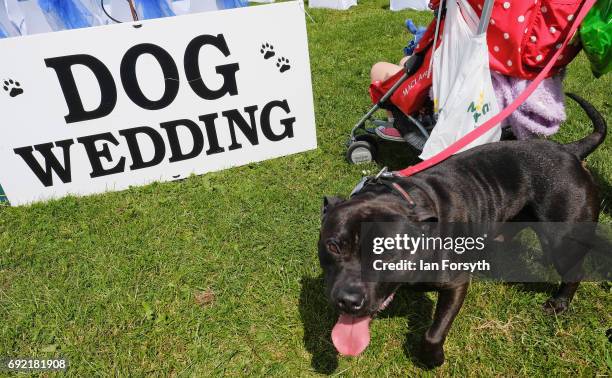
(12, 23)
(24, 17)
(149, 9)
(71, 14)
(209, 5)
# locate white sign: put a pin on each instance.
(91, 110)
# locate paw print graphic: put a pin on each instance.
(267, 50)
(13, 88)
(283, 64)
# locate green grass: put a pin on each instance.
(218, 274)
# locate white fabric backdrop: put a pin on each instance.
(397, 5)
(205, 5)
(332, 4)
(181, 7)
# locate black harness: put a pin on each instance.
(387, 179)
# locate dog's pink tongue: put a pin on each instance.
(351, 335)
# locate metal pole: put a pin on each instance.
(485, 16)
(133, 10)
(383, 99)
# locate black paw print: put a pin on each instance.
(283, 64)
(12, 87)
(267, 50)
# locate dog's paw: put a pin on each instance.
(283, 64)
(267, 50)
(555, 306)
(432, 355)
(12, 87)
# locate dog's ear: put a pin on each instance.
(328, 203)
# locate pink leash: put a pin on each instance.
(488, 125)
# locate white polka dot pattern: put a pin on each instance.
(543, 24)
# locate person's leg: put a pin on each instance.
(382, 71)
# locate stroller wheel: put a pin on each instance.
(360, 152)
(369, 137)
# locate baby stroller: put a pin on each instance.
(406, 94)
(415, 129)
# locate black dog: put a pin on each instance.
(526, 181)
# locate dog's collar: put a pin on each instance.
(385, 178)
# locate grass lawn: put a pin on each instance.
(218, 274)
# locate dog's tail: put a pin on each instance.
(583, 147)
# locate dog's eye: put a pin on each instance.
(333, 247)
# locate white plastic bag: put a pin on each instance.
(463, 92)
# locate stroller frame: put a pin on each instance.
(362, 147)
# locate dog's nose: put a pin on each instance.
(351, 300)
